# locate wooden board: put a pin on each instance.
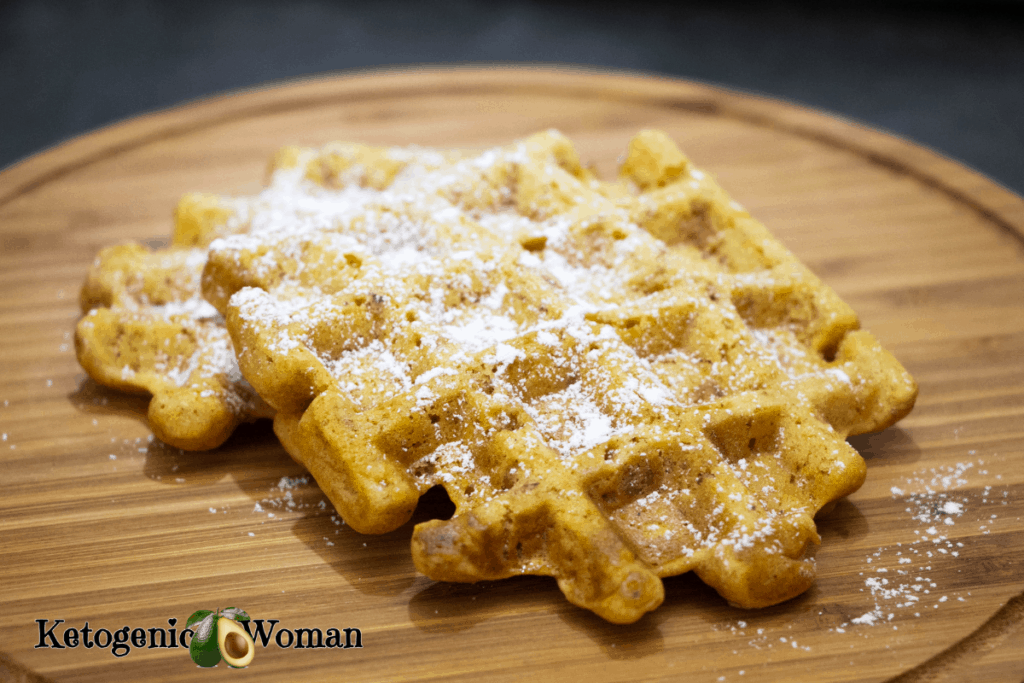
(99, 524)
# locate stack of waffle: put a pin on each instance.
(613, 381)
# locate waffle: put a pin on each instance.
(146, 329)
(614, 382)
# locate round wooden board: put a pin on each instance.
(99, 524)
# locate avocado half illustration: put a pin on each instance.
(218, 634)
(235, 645)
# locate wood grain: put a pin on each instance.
(100, 524)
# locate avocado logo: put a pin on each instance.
(219, 634)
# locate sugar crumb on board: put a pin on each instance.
(941, 508)
(902, 579)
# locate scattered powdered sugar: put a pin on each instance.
(571, 421)
(369, 370)
(450, 460)
(903, 579)
(291, 496)
(838, 374)
(481, 331)
(951, 508)
(195, 307)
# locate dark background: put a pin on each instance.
(943, 74)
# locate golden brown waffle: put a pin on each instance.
(614, 382)
(146, 329)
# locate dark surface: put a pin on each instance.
(946, 75)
